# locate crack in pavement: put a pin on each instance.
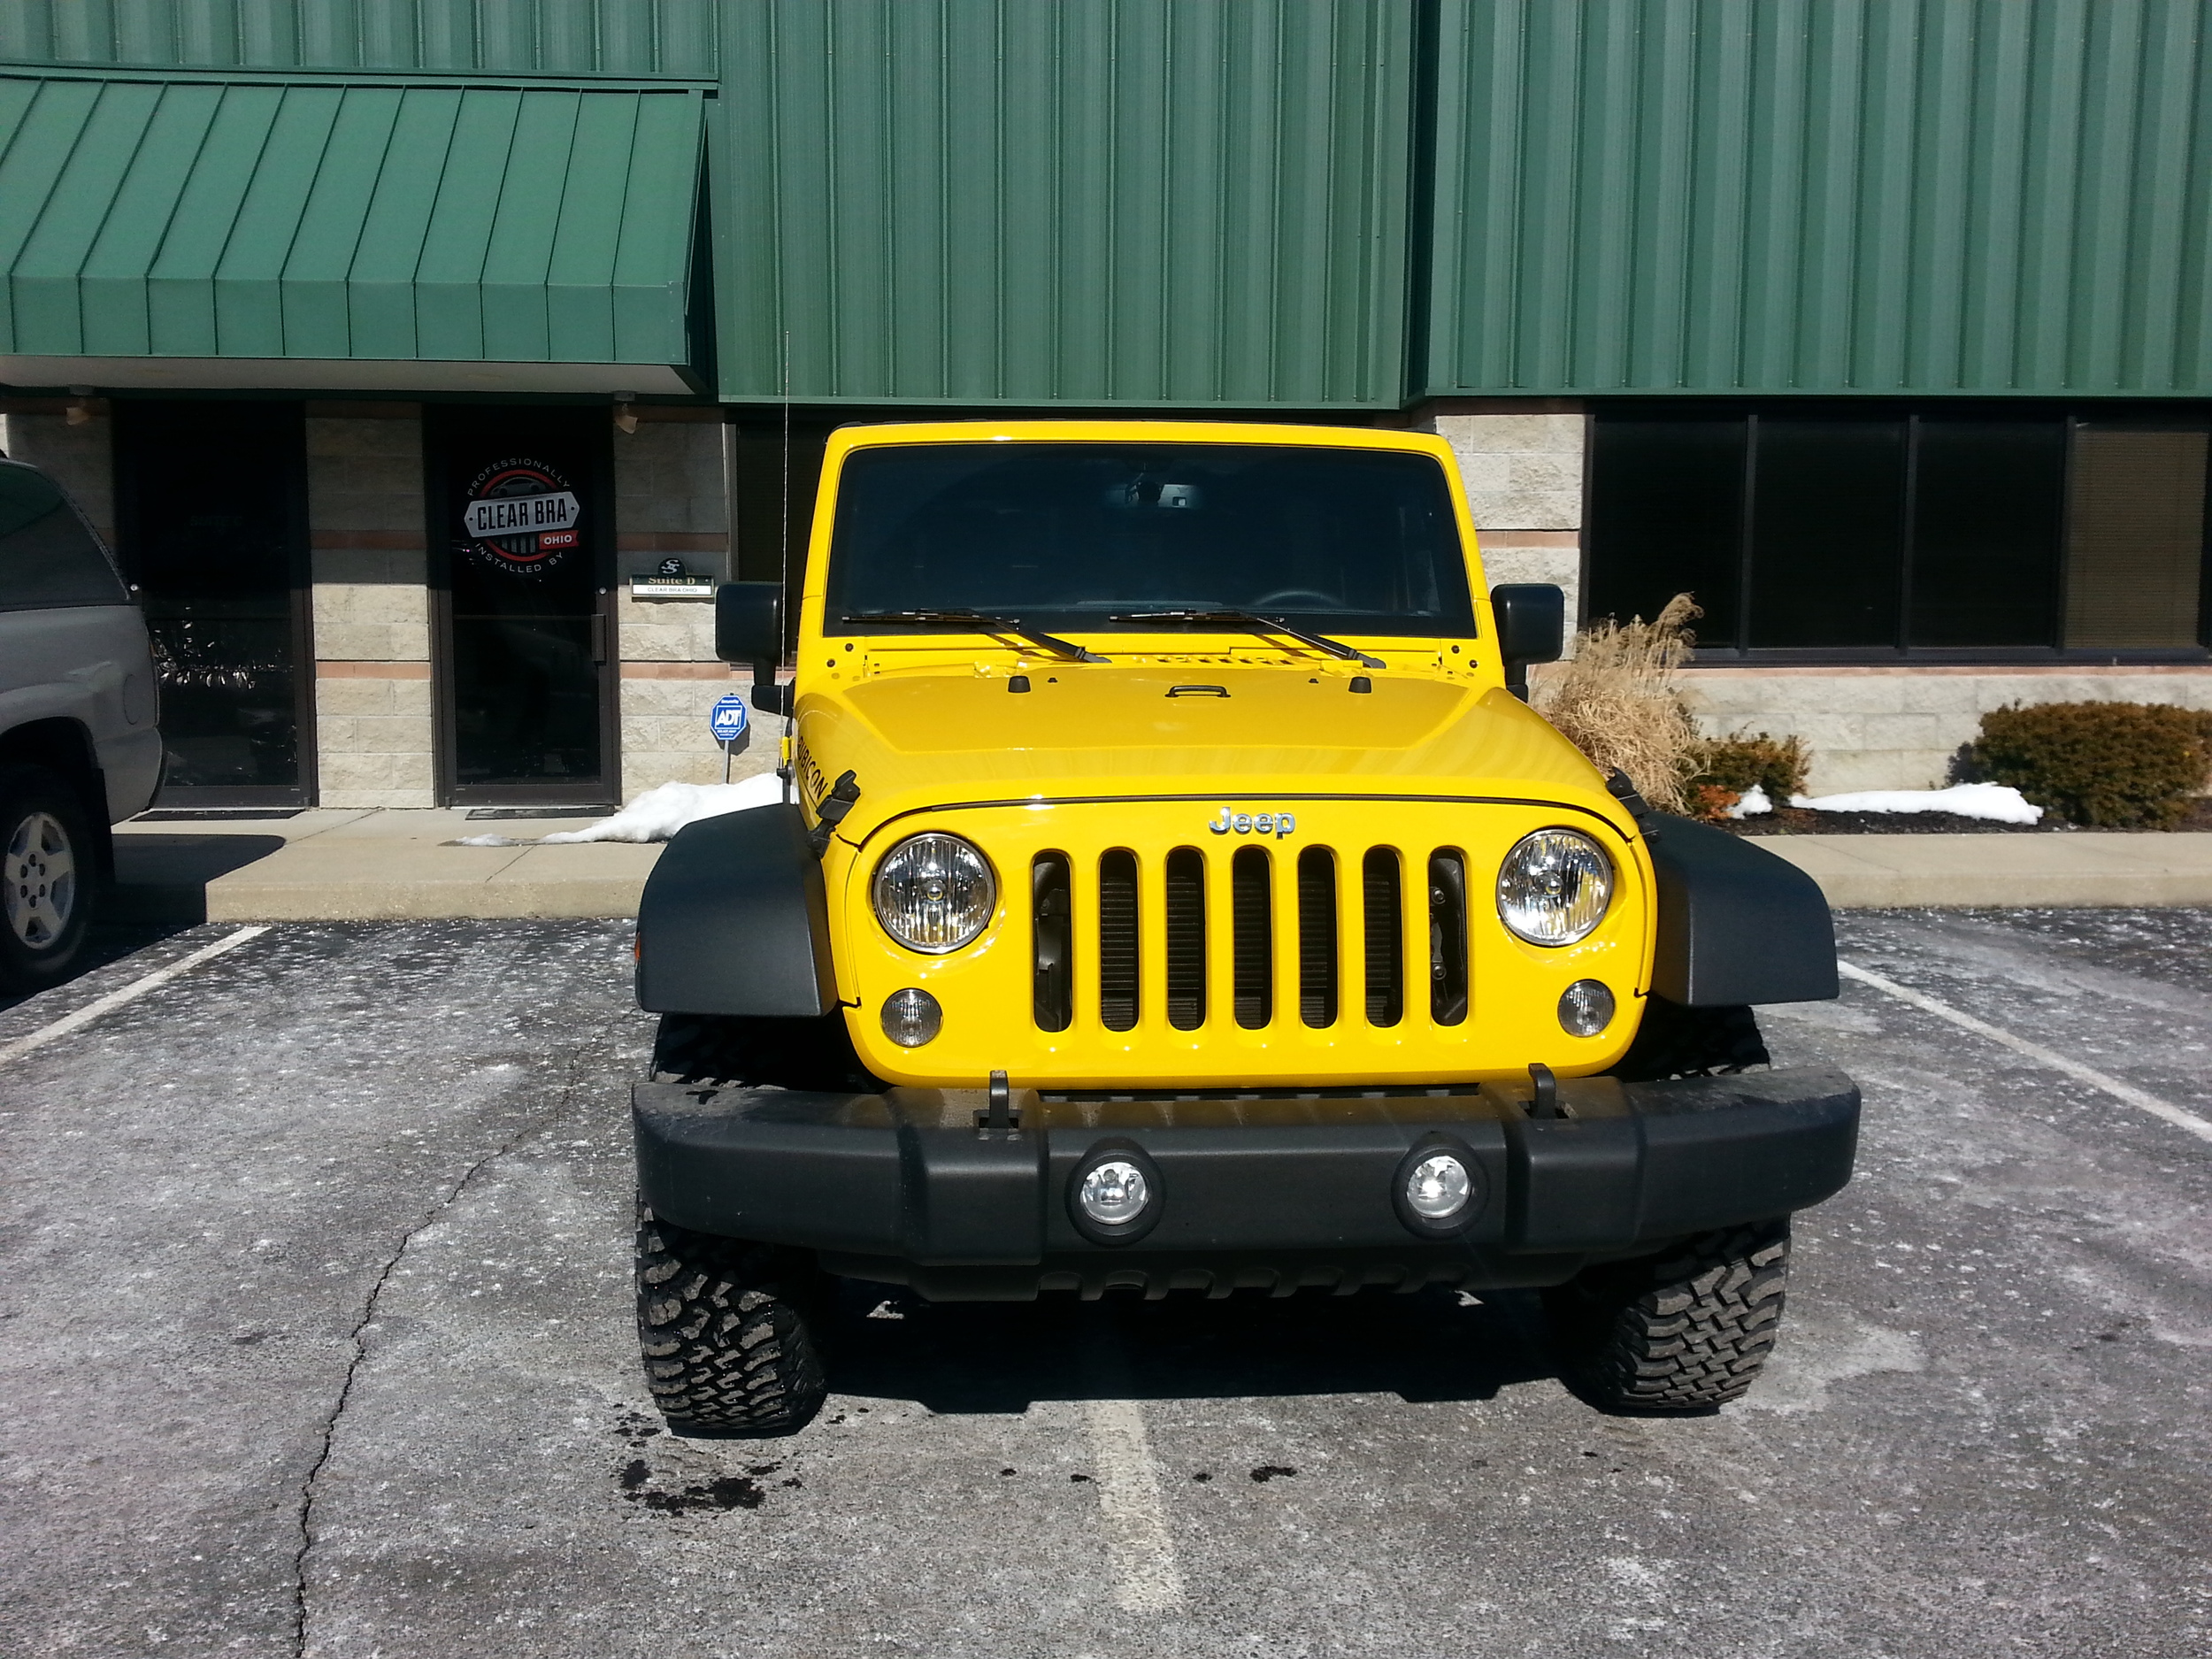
(565, 1098)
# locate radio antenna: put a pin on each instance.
(783, 546)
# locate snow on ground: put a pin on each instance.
(660, 812)
(1992, 801)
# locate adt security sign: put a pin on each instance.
(728, 720)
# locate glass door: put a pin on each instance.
(211, 507)
(522, 544)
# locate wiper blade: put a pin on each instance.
(982, 622)
(1258, 625)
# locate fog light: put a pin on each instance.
(1114, 1193)
(911, 1017)
(1438, 1187)
(1586, 1007)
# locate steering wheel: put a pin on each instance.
(1284, 596)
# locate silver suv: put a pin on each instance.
(78, 746)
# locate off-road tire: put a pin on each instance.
(729, 1331)
(28, 793)
(1678, 1041)
(1687, 1330)
(798, 1053)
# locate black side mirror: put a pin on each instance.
(1532, 629)
(749, 629)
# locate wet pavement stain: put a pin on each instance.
(1266, 1472)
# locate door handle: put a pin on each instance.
(598, 639)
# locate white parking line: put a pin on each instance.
(130, 993)
(1147, 1578)
(2112, 1086)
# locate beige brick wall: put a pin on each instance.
(1523, 474)
(374, 716)
(1900, 727)
(673, 497)
(80, 458)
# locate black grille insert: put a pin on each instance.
(1252, 918)
(1447, 936)
(1052, 949)
(1185, 939)
(1118, 940)
(1317, 936)
(1383, 913)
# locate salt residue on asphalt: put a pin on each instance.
(661, 811)
(1993, 801)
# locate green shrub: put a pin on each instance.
(2112, 764)
(1775, 764)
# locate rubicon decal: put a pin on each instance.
(521, 516)
(1226, 822)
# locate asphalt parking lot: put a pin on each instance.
(315, 1336)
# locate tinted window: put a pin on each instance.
(1065, 535)
(1987, 497)
(48, 558)
(1666, 517)
(1827, 540)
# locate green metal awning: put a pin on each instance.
(200, 234)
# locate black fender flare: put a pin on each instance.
(735, 920)
(1737, 924)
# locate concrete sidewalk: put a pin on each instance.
(328, 864)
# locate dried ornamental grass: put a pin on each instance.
(1616, 701)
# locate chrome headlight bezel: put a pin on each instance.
(974, 915)
(1561, 869)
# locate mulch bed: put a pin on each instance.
(1789, 821)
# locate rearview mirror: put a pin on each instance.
(1532, 629)
(749, 629)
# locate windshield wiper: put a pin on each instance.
(1258, 625)
(982, 622)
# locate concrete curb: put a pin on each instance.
(403, 866)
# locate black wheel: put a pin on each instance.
(1684, 1331)
(802, 1054)
(1678, 1042)
(729, 1331)
(49, 877)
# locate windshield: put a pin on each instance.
(1065, 535)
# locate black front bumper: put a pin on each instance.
(906, 1187)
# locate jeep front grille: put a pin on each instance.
(1194, 894)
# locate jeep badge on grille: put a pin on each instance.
(1275, 824)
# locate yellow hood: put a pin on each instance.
(920, 739)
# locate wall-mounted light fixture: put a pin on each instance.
(79, 406)
(624, 412)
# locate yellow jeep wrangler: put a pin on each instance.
(1174, 893)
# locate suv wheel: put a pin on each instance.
(729, 1331)
(1678, 1041)
(48, 877)
(1684, 1331)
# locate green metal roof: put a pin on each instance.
(203, 220)
(1146, 201)
(1827, 196)
(638, 38)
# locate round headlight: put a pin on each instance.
(934, 892)
(1553, 886)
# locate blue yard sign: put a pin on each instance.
(728, 720)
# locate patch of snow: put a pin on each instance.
(1753, 802)
(661, 811)
(488, 841)
(1993, 801)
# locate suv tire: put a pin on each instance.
(729, 1331)
(720, 1048)
(1687, 1330)
(50, 870)
(1678, 1041)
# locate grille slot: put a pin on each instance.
(1186, 939)
(1382, 916)
(1052, 947)
(1118, 940)
(1447, 936)
(1317, 936)
(1252, 929)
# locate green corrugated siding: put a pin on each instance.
(1987, 196)
(188, 220)
(1101, 201)
(639, 38)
